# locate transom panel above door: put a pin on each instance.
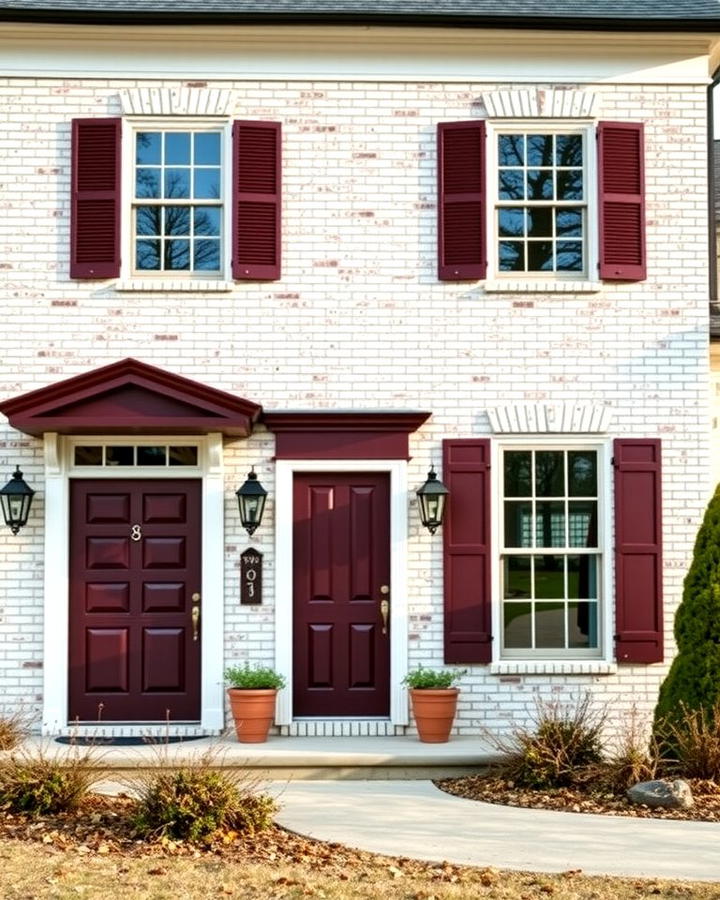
(135, 577)
(341, 576)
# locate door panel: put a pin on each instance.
(341, 558)
(134, 565)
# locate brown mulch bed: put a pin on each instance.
(495, 789)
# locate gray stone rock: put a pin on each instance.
(662, 793)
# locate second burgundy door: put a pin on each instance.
(134, 567)
(341, 563)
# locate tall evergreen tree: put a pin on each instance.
(694, 677)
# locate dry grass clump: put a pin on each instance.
(636, 758)
(690, 743)
(14, 728)
(35, 782)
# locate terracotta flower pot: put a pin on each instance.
(253, 712)
(434, 711)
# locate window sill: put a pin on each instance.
(542, 287)
(554, 667)
(162, 285)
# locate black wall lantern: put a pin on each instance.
(431, 497)
(251, 500)
(15, 500)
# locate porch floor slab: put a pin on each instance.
(299, 757)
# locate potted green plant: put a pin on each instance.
(434, 701)
(252, 693)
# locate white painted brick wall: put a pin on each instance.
(349, 324)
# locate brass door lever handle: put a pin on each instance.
(195, 616)
(385, 607)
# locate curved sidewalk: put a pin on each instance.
(415, 819)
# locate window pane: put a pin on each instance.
(540, 256)
(517, 570)
(177, 184)
(511, 186)
(569, 256)
(147, 256)
(518, 524)
(540, 150)
(550, 524)
(183, 456)
(517, 471)
(511, 221)
(177, 148)
(177, 255)
(582, 473)
(511, 256)
(511, 149)
(540, 222)
(582, 524)
(151, 456)
(550, 473)
(568, 222)
(88, 456)
(570, 185)
(148, 220)
(582, 577)
(120, 456)
(207, 221)
(549, 577)
(147, 183)
(207, 149)
(148, 148)
(206, 256)
(582, 625)
(568, 150)
(549, 625)
(540, 184)
(207, 184)
(517, 625)
(177, 220)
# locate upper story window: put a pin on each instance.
(178, 201)
(540, 219)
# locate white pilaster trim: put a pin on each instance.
(180, 101)
(212, 601)
(284, 473)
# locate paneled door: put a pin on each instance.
(341, 576)
(135, 575)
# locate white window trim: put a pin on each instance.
(173, 281)
(527, 282)
(284, 473)
(59, 469)
(580, 661)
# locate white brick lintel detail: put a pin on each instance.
(550, 418)
(539, 286)
(557, 667)
(177, 102)
(542, 103)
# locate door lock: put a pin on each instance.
(195, 615)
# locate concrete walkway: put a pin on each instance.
(415, 819)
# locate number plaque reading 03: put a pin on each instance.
(251, 576)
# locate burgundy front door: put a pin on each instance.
(341, 563)
(134, 567)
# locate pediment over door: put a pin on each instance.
(130, 397)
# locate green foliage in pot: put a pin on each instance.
(432, 679)
(255, 678)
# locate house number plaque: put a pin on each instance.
(251, 576)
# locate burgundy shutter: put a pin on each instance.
(462, 253)
(466, 540)
(638, 551)
(256, 238)
(95, 209)
(621, 167)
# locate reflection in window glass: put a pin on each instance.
(183, 456)
(151, 456)
(120, 456)
(88, 456)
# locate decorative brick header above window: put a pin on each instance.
(549, 103)
(177, 102)
(550, 418)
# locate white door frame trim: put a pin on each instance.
(284, 474)
(58, 471)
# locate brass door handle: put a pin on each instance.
(384, 612)
(195, 615)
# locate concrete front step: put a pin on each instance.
(284, 758)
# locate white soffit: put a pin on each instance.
(550, 418)
(534, 103)
(177, 102)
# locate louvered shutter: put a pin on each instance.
(466, 540)
(462, 244)
(256, 237)
(621, 167)
(638, 551)
(95, 205)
